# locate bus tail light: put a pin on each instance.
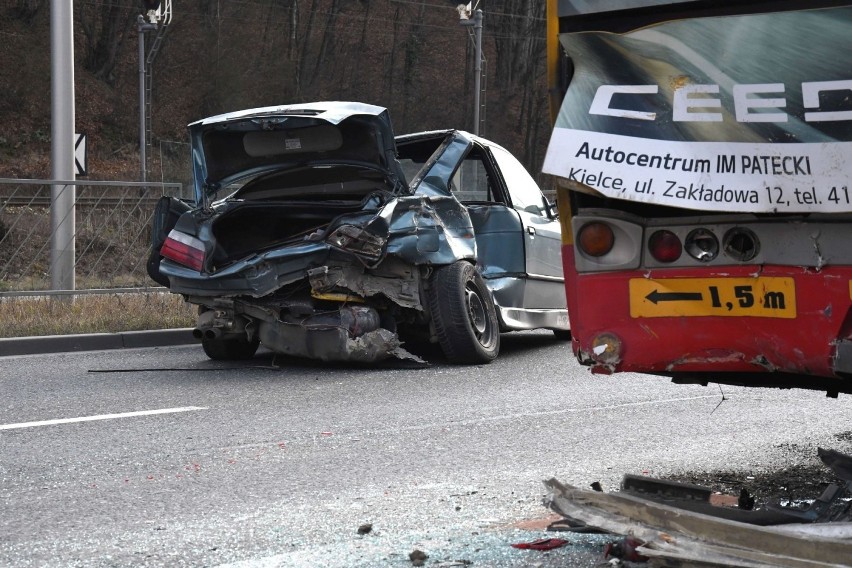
(184, 249)
(741, 244)
(702, 245)
(595, 238)
(665, 246)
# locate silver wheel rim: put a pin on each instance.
(476, 312)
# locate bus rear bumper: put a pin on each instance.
(809, 347)
(843, 358)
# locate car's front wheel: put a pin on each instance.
(463, 314)
(230, 348)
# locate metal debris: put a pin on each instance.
(677, 526)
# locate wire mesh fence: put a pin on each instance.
(111, 236)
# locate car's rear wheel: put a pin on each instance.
(463, 314)
(230, 348)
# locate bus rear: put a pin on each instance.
(703, 158)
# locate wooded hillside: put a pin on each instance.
(411, 56)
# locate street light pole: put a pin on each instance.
(62, 197)
(142, 27)
(476, 22)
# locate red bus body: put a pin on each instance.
(732, 293)
(801, 352)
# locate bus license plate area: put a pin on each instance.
(767, 297)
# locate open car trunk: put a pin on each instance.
(243, 228)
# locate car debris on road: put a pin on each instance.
(674, 524)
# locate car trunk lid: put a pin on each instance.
(338, 136)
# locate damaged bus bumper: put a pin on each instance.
(804, 341)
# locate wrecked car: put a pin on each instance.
(318, 233)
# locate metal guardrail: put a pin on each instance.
(23, 201)
(89, 292)
(92, 183)
(111, 238)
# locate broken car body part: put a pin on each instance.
(677, 525)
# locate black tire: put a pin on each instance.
(463, 314)
(233, 348)
(562, 334)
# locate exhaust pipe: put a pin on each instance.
(212, 333)
(214, 324)
(208, 333)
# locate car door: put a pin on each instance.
(545, 287)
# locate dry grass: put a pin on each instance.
(32, 316)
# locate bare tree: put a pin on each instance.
(26, 10)
(105, 25)
(520, 44)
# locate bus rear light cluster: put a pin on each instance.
(595, 239)
(665, 246)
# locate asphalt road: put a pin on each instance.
(277, 462)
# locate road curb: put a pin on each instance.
(95, 341)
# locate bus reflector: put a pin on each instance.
(607, 348)
(665, 246)
(596, 238)
(184, 249)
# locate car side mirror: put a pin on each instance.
(551, 209)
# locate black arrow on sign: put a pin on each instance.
(673, 296)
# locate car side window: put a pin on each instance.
(523, 190)
(471, 181)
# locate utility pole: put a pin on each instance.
(476, 23)
(62, 196)
(142, 27)
(159, 15)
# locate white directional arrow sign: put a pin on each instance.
(80, 155)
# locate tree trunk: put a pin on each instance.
(105, 26)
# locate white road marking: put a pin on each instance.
(100, 417)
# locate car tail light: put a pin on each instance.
(356, 240)
(665, 246)
(595, 238)
(184, 249)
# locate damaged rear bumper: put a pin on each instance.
(812, 350)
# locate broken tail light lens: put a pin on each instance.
(356, 240)
(665, 246)
(702, 245)
(596, 238)
(741, 244)
(184, 249)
